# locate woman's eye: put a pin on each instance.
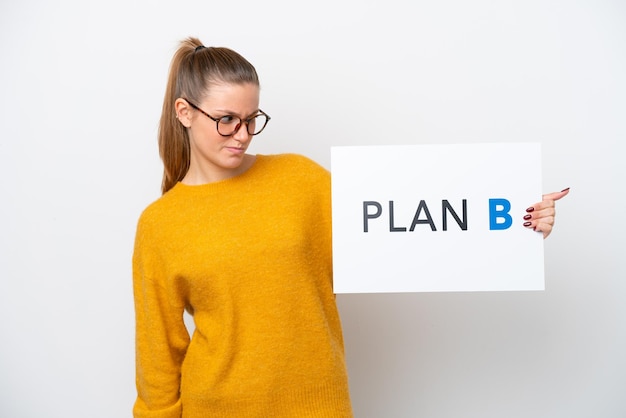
(228, 119)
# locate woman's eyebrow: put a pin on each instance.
(230, 112)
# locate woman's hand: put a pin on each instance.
(540, 216)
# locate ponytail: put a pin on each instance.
(192, 71)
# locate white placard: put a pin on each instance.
(435, 218)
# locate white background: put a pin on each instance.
(81, 88)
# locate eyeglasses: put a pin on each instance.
(230, 124)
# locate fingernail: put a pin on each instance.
(527, 223)
(530, 209)
(564, 190)
(527, 217)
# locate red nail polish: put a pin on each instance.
(527, 217)
(530, 209)
(527, 223)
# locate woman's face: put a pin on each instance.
(215, 157)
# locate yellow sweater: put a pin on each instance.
(250, 258)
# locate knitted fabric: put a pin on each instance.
(250, 259)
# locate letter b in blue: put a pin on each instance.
(499, 217)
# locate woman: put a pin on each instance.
(242, 242)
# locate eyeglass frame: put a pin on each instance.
(238, 127)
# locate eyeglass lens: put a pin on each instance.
(227, 125)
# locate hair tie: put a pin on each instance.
(198, 48)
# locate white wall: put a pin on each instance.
(81, 87)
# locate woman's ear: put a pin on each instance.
(183, 112)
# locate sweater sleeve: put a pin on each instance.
(161, 336)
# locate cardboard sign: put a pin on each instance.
(435, 218)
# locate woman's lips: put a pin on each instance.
(236, 150)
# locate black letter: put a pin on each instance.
(428, 219)
(446, 206)
(391, 227)
(366, 216)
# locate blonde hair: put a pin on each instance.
(194, 68)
